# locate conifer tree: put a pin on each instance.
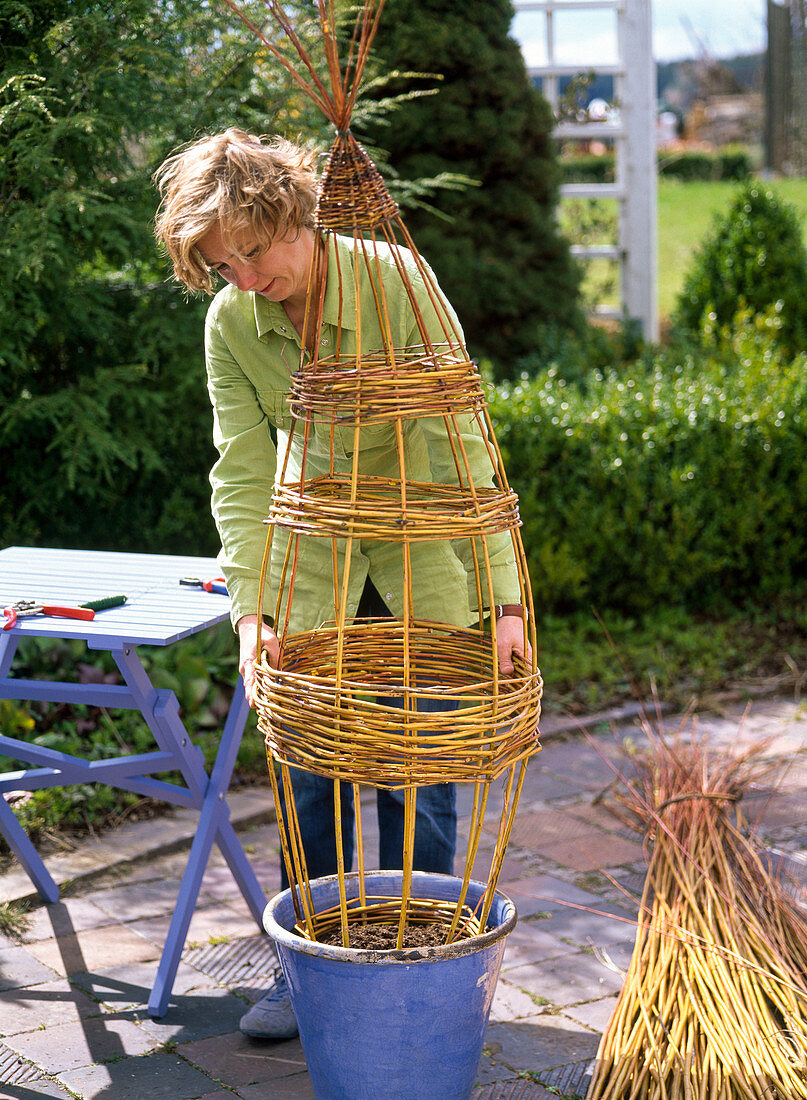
(101, 368)
(497, 250)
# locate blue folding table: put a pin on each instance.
(158, 611)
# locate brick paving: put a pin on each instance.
(74, 985)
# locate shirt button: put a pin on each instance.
(324, 340)
(388, 596)
(351, 607)
(282, 329)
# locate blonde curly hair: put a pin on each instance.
(251, 187)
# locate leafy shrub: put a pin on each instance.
(101, 371)
(679, 482)
(576, 356)
(588, 168)
(730, 163)
(733, 162)
(754, 257)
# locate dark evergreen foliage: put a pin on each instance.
(677, 480)
(496, 249)
(755, 259)
(105, 426)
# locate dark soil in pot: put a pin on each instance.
(384, 937)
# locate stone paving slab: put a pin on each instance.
(296, 1087)
(159, 1076)
(19, 968)
(216, 921)
(539, 1043)
(78, 1044)
(236, 1061)
(137, 900)
(594, 1014)
(126, 987)
(45, 1005)
(539, 893)
(566, 980)
(563, 966)
(775, 810)
(32, 1089)
(511, 1002)
(529, 943)
(219, 886)
(609, 925)
(93, 950)
(63, 917)
(209, 1012)
(543, 828)
(514, 1090)
(596, 853)
(542, 787)
(583, 764)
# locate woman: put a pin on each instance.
(236, 206)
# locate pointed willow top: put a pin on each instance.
(344, 77)
(352, 196)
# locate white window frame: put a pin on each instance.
(634, 139)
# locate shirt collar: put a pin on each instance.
(271, 316)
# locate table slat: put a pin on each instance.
(158, 610)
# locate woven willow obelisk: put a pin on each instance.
(327, 707)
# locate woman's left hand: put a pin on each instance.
(510, 640)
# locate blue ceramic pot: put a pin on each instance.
(391, 1025)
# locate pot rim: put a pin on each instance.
(467, 946)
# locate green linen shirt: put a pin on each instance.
(251, 349)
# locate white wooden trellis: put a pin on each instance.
(634, 136)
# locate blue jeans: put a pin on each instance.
(435, 821)
(435, 814)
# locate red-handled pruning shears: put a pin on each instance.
(215, 585)
(22, 609)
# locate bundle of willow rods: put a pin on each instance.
(715, 1001)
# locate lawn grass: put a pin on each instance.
(685, 215)
(686, 211)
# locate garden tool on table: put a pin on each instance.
(23, 609)
(214, 585)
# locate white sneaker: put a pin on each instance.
(271, 1017)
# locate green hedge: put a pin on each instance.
(588, 168)
(733, 162)
(680, 481)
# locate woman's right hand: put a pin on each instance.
(247, 627)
